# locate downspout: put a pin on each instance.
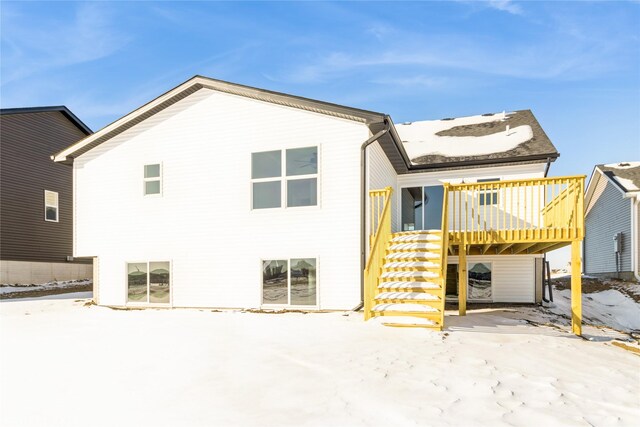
(546, 169)
(363, 202)
(544, 256)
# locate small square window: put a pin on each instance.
(50, 206)
(267, 164)
(267, 195)
(488, 197)
(152, 179)
(302, 192)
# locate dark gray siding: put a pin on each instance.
(27, 141)
(610, 214)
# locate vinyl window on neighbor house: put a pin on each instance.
(148, 282)
(488, 197)
(50, 206)
(289, 281)
(152, 179)
(284, 178)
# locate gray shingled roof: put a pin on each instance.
(627, 172)
(538, 147)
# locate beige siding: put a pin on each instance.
(203, 223)
(487, 214)
(381, 175)
(513, 276)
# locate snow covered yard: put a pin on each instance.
(65, 363)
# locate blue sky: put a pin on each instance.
(575, 64)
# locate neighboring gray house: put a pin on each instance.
(612, 208)
(36, 196)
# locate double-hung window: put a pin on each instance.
(488, 197)
(284, 178)
(50, 206)
(152, 179)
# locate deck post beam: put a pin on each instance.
(462, 278)
(576, 288)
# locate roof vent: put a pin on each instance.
(405, 142)
(406, 123)
(448, 118)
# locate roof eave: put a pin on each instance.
(53, 108)
(482, 162)
(199, 82)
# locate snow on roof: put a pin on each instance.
(502, 135)
(625, 174)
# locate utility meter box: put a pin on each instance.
(617, 243)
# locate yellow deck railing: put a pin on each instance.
(380, 233)
(533, 210)
(444, 250)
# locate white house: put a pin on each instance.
(216, 194)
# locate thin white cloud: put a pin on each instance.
(33, 49)
(506, 6)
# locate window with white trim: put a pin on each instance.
(149, 282)
(50, 206)
(289, 282)
(284, 178)
(488, 197)
(152, 179)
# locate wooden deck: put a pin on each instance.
(515, 217)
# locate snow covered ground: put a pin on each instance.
(67, 363)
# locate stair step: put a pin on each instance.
(415, 296)
(411, 264)
(418, 237)
(404, 308)
(409, 275)
(413, 247)
(407, 322)
(409, 285)
(413, 255)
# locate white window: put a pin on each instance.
(488, 197)
(50, 206)
(289, 282)
(284, 178)
(149, 282)
(152, 179)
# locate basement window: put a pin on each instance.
(289, 282)
(152, 179)
(50, 206)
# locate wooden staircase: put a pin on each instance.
(410, 291)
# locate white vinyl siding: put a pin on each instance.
(203, 222)
(512, 276)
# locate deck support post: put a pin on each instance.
(576, 288)
(462, 278)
